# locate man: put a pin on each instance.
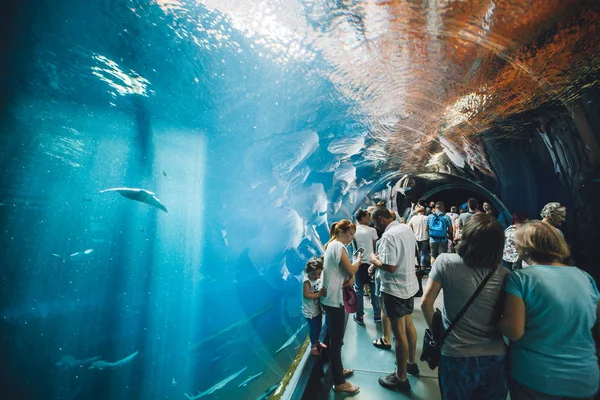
(396, 264)
(365, 237)
(430, 208)
(463, 218)
(440, 229)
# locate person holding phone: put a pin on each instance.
(338, 273)
(365, 239)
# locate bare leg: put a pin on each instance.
(411, 336)
(385, 327)
(401, 344)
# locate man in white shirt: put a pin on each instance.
(396, 262)
(365, 237)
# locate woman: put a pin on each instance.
(554, 214)
(510, 258)
(338, 273)
(549, 314)
(473, 362)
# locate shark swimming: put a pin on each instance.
(101, 364)
(291, 339)
(141, 195)
(216, 387)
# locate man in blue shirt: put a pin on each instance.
(440, 228)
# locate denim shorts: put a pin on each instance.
(475, 378)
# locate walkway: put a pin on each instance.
(370, 362)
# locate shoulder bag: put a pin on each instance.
(433, 339)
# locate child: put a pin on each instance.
(312, 291)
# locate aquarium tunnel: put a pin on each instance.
(169, 166)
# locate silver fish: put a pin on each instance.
(268, 392)
(101, 364)
(251, 379)
(141, 195)
(216, 387)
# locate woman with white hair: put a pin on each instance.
(554, 214)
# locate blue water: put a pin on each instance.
(105, 297)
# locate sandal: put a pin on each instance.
(351, 390)
(380, 344)
(348, 372)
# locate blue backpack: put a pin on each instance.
(438, 226)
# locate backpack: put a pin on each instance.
(438, 226)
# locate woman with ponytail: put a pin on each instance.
(338, 273)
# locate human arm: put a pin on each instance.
(432, 290)
(308, 295)
(378, 264)
(349, 267)
(512, 324)
(348, 282)
(387, 257)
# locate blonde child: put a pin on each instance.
(312, 291)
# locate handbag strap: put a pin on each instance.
(469, 302)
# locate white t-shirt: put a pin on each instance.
(364, 237)
(311, 307)
(334, 275)
(397, 246)
(419, 223)
(452, 216)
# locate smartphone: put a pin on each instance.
(360, 250)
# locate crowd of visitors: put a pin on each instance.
(522, 321)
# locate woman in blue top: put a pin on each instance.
(550, 311)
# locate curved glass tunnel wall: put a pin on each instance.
(254, 133)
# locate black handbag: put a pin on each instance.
(420, 274)
(434, 339)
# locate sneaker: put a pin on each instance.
(391, 381)
(412, 368)
(314, 351)
(321, 345)
(377, 318)
(358, 320)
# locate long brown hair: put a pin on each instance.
(337, 227)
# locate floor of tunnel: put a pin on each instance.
(369, 362)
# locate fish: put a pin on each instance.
(69, 361)
(268, 392)
(251, 379)
(74, 254)
(173, 382)
(216, 387)
(291, 339)
(88, 251)
(101, 364)
(164, 173)
(141, 195)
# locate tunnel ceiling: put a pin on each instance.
(424, 76)
(380, 85)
